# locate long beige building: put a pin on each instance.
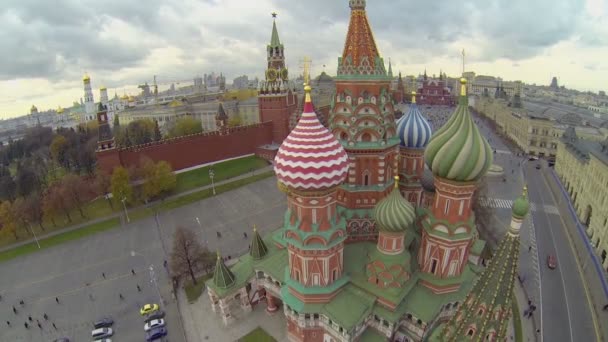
(582, 167)
(534, 129)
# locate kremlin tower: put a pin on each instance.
(277, 99)
(362, 118)
(89, 102)
(414, 134)
(458, 155)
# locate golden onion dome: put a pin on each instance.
(86, 78)
(131, 98)
(59, 110)
(103, 88)
(124, 97)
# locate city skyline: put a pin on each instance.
(121, 45)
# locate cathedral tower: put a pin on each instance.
(362, 119)
(277, 99)
(459, 156)
(89, 101)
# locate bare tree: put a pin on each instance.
(188, 257)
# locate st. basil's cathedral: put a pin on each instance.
(378, 241)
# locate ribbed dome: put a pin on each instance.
(521, 205)
(393, 213)
(310, 158)
(458, 151)
(427, 181)
(413, 129)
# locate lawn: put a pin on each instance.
(257, 335)
(194, 291)
(228, 169)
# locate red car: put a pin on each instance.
(551, 261)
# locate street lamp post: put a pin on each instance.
(35, 238)
(152, 276)
(123, 200)
(211, 175)
(201, 228)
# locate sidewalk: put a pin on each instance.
(119, 213)
(528, 326)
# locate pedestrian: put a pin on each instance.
(14, 310)
(133, 271)
(30, 318)
(530, 248)
(121, 297)
(46, 317)
(165, 263)
(26, 325)
(526, 313)
(39, 326)
(533, 307)
(529, 302)
(138, 288)
(244, 235)
(103, 275)
(22, 302)
(8, 323)
(57, 300)
(54, 326)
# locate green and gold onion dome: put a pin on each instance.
(458, 151)
(521, 206)
(393, 213)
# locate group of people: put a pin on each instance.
(30, 320)
(437, 116)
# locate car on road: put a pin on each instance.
(156, 323)
(103, 323)
(155, 334)
(148, 308)
(155, 315)
(102, 333)
(538, 166)
(551, 261)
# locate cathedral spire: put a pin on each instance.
(223, 278)
(485, 313)
(274, 39)
(258, 247)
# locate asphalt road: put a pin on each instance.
(73, 272)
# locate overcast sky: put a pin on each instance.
(48, 45)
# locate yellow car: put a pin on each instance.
(148, 308)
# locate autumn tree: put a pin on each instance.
(235, 121)
(184, 126)
(77, 190)
(59, 148)
(158, 178)
(29, 210)
(55, 200)
(188, 257)
(8, 219)
(7, 184)
(121, 184)
(103, 185)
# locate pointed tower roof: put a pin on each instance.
(412, 128)
(221, 113)
(458, 151)
(487, 308)
(360, 49)
(222, 276)
(274, 39)
(258, 247)
(310, 158)
(390, 68)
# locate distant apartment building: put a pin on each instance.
(489, 85)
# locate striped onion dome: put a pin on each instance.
(458, 151)
(310, 158)
(413, 129)
(393, 213)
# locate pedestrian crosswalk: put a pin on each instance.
(488, 202)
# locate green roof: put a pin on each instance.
(274, 263)
(393, 213)
(349, 307)
(258, 248)
(521, 206)
(371, 335)
(222, 276)
(274, 39)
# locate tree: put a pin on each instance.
(26, 180)
(8, 187)
(140, 131)
(116, 123)
(103, 183)
(121, 184)
(55, 200)
(8, 219)
(29, 210)
(59, 148)
(158, 178)
(235, 121)
(185, 126)
(188, 257)
(157, 135)
(77, 190)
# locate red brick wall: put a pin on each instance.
(184, 152)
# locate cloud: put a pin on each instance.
(124, 42)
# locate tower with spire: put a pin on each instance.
(221, 119)
(362, 118)
(105, 140)
(486, 312)
(89, 101)
(459, 156)
(277, 100)
(414, 134)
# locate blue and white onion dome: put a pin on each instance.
(413, 129)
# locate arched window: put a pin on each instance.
(366, 137)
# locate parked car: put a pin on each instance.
(148, 308)
(155, 323)
(551, 261)
(103, 323)
(532, 158)
(62, 339)
(155, 334)
(102, 333)
(538, 166)
(104, 340)
(155, 315)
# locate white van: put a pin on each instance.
(101, 333)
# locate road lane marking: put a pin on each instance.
(580, 270)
